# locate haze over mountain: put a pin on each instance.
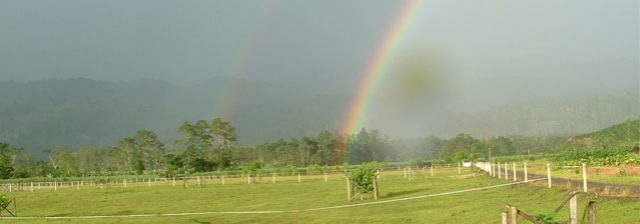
(81, 74)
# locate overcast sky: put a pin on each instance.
(189, 41)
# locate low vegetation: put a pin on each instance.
(598, 156)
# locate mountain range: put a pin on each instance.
(78, 112)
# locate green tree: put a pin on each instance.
(463, 144)
(207, 145)
(143, 151)
(8, 158)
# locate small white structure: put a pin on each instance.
(466, 163)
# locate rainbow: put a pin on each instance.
(374, 71)
(242, 60)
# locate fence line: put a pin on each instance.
(200, 180)
(491, 169)
(271, 212)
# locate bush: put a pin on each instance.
(345, 167)
(4, 201)
(546, 218)
(252, 168)
(313, 168)
(363, 177)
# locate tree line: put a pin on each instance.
(206, 146)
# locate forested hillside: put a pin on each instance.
(82, 113)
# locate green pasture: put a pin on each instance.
(293, 201)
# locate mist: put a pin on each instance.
(456, 58)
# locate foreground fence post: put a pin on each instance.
(459, 171)
(273, 178)
(573, 209)
(125, 182)
(325, 176)
(549, 175)
(591, 209)
(584, 177)
(499, 172)
(514, 215)
(505, 219)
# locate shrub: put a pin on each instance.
(313, 168)
(546, 218)
(363, 177)
(4, 201)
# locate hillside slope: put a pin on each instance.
(77, 113)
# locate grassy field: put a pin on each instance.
(294, 202)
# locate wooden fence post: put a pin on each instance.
(584, 177)
(493, 169)
(505, 219)
(514, 215)
(549, 175)
(375, 186)
(149, 182)
(591, 209)
(526, 176)
(514, 172)
(506, 171)
(573, 208)
(459, 171)
(273, 178)
(174, 181)
(125, 182)
(325, 176)
(348, 189)
(499, 172)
